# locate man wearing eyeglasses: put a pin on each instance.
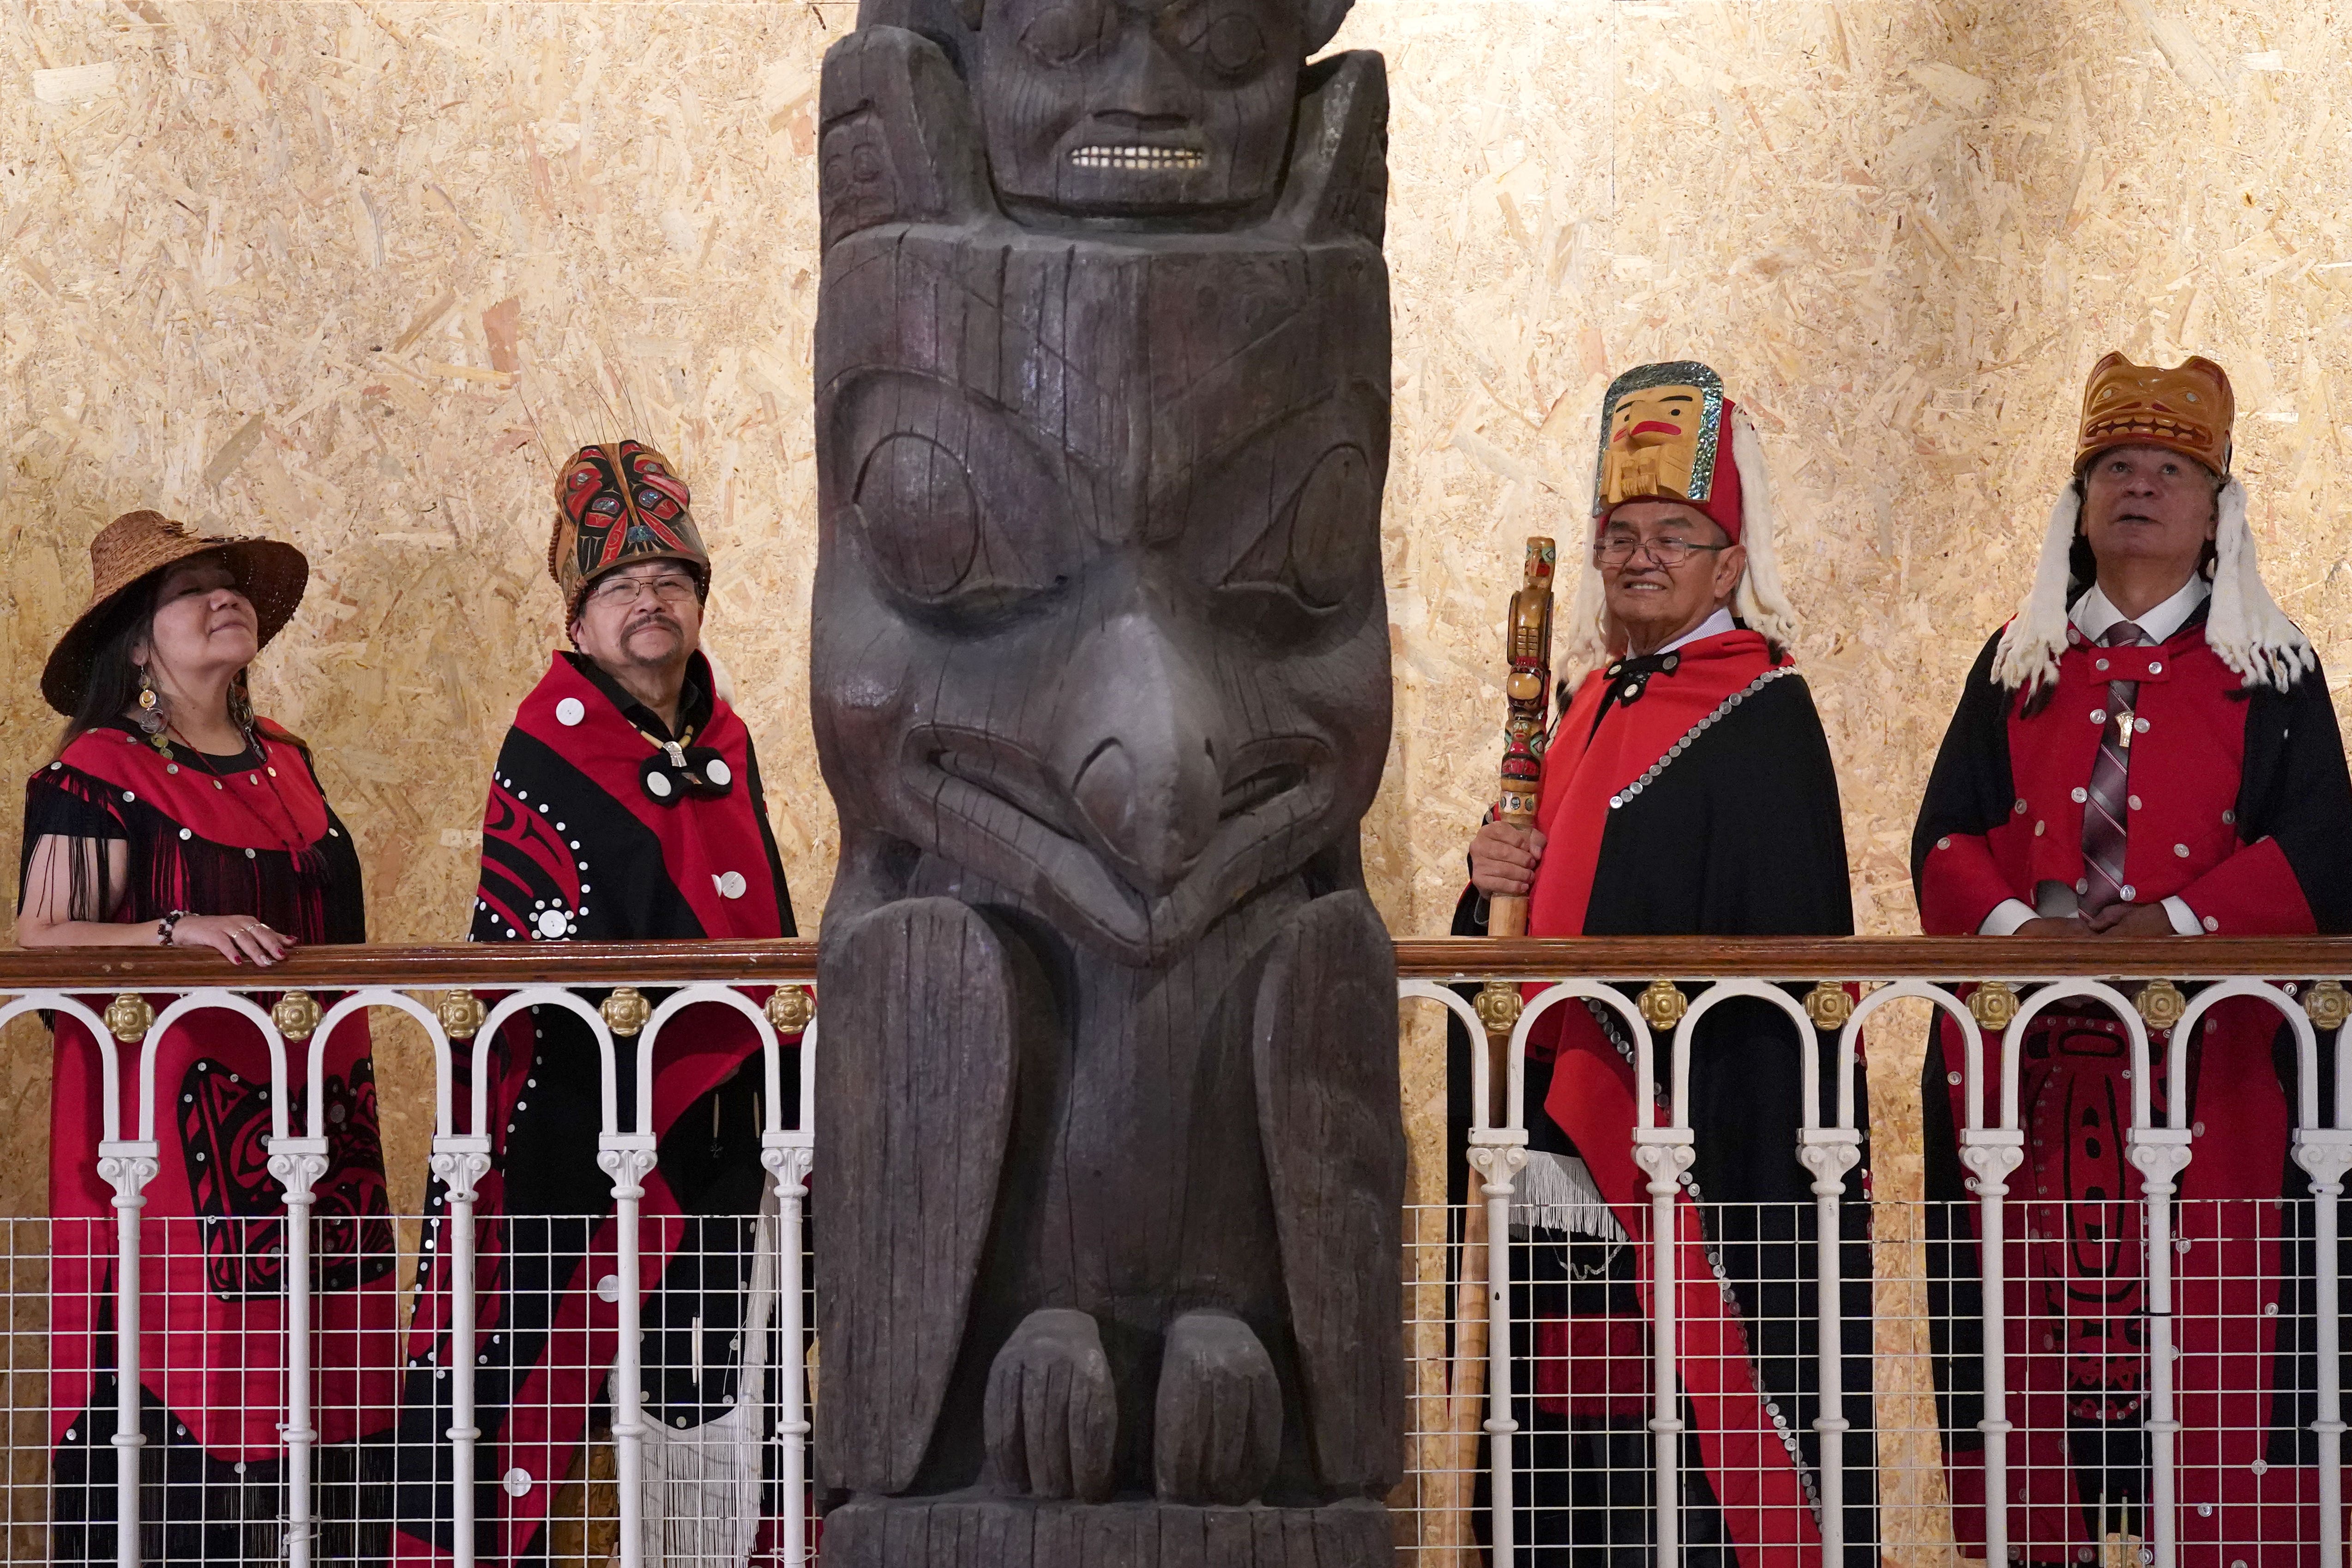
(1687, 789)
(626, 806)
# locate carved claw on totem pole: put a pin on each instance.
(1112, 1157)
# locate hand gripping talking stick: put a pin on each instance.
(1528, 646)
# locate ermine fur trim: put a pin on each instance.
(2243, 624)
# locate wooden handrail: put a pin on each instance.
(1876, 958)
(503, 966)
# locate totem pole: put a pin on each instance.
(1111, 1159)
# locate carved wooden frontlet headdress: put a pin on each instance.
(1668, 433)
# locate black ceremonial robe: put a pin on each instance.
(593, 831)
(1688, 793)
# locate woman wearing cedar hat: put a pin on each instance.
(2146, 750)
(173, 815)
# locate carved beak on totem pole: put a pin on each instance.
(1142, 107)
(1138, 749)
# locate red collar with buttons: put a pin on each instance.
(712, 848)
(273, 806)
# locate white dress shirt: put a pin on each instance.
(2093, 615)
(1715, 625)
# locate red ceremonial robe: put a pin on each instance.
(591, 832)
(250, 835)
(1692, 793)
(2240, 806)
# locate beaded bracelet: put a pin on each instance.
(165, 926)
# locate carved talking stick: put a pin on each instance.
(1528, 692)
(1526, 635)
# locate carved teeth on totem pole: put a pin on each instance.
(1099, 676)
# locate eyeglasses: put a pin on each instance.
(1617, 550)
(618, 592)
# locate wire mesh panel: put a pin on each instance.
(2248, 1374)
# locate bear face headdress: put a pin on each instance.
(2190, 410)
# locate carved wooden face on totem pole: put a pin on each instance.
(1150, 107)
(1107, 1107)
(1102, 618)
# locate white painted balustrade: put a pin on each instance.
(1660, 1018)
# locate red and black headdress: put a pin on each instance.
(618, 502)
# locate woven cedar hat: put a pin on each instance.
(136, 547)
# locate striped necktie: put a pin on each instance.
(2106, 812)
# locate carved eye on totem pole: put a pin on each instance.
(1142, 107)
(963, 518)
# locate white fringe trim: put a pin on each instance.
(1760, 599)
(2246, 625)
(1556, 1192)
(2036, 635)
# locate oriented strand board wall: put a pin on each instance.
(352, 272)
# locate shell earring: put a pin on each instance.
(240, 706)
(150, 717)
